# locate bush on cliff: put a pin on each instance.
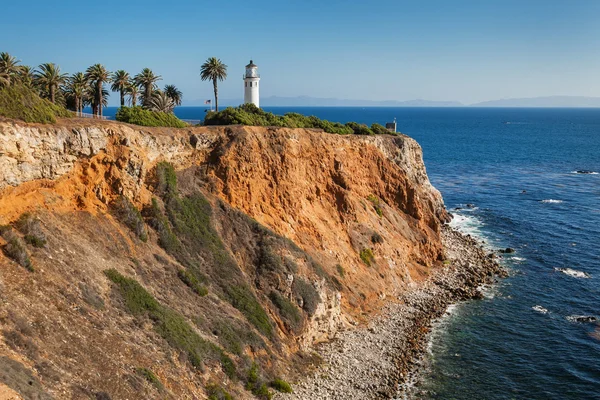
(128, 214)
(169, 324)
(20, 102)
(249, 114)
(139, 116)
(186, 232)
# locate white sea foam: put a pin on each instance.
(573, 272)
(519, 259)
(467, 224)
(552, 201)
(540, 309)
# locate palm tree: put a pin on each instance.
(146, 79)
(49, 78)
(174, 94)
(9, 68)
(213, 69)
(4, 79)
(26, 76)
(91, 98)
(120, 81)
(162, 102)
(97, 75)
(76, 88)
(133, 90)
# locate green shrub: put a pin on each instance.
(241, 297)
(167, 179)
(281, 386)
(288, 311)
(253, 377)
(166, 238)
(254, 384)
(306, 294)
(169, 324)
(268, 260)
(376, 204)
(31, 228)
(380, 129)
(150, 377)
(129, 215)
(263, 392)
(16, 250)
(190, 280)
(216, 392)
(360, 129)
(20, 102)
(193, 237)
(340, 270)
(366, 255)
(249, 114)
(139, 116)
(137, 299)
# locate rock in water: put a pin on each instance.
(508, 250)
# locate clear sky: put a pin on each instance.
(468, 51)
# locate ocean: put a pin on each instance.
(517, 169)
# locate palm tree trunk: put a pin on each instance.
(122, 97)
(216, 95)
(147, 95)
(99, 98)
(52, 93)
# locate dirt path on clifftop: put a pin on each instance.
(370, 362)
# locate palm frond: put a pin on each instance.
(213, 69)
(161, 102)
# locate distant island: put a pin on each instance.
(307, 101)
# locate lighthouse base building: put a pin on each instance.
(251, 84)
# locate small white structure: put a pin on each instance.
(251, 79)
(391, 126)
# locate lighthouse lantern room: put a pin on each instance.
(251, 80)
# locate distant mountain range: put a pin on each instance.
(307, 101)
(550, 101)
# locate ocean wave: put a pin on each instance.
(584, 172)
(573, 272)
(581, 318)
(552, 201)
(467, 224)
(540, 309)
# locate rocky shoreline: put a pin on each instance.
(372, 362)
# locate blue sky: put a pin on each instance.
(468, 51)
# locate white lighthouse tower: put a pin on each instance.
(251, 79)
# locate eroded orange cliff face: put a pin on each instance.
(361, 210)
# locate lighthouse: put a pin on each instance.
(251, 79)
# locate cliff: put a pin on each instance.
(250, 244)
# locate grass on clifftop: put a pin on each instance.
(139, 116)
(20, 102)
(249, 114)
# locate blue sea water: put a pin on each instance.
(517, 167)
